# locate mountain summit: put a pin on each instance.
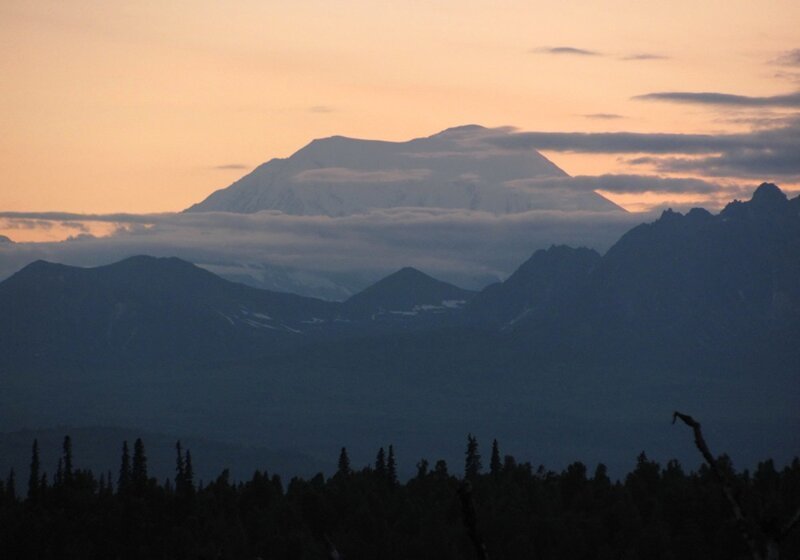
(454, 169)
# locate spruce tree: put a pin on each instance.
(34, 480)
(124, 480)
(495, 466)
(180, 467)
(139, 466)
(343, 468)
(188, 473)
(380, 462)
(67, 472)
(391, 466)
(472, 463)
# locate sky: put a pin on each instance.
(147, 107)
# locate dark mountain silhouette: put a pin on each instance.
(548, 283)
(714, 283)
(149, 310)
(143, 310)
(408, 292)
(575, 355)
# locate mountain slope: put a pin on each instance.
(341, 176)
(550, 282)
(408, 292)
(695, 283)
(142, 310)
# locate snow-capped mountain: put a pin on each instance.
(454, 169)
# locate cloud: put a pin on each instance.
(645, 56)
(788, 58)
(790, 76)
(566, 51)
(345, 175)
(231, 166)
(609, 142)
(321, 109)
(604, 116)
(723, 99)
(625, 184)
(467, 247)
(760, 153)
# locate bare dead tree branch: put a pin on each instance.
(727, 489)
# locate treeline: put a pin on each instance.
(508, 509)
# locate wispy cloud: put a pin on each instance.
(723, 99)
(761, 153)
(231, 166)
(644, 56)
(566, 51)
(321, 109)
(604, 116)
(626, 183)
(788, 58)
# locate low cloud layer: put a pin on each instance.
(466, 247)
(626, 184)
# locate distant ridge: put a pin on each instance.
(406, 291)
(453, 169)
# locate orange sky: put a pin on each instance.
(135, 106)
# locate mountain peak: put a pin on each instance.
(403, 291)
(767, 199)
(459, 130)
(339, 176)
(768, 194)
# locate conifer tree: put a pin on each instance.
(188, 473)
(180, 467)
(343, 468)
(380, 462)
(391, 466)
(34, 480)
(139, 466)
(124, 480)
(422, 468)
(67, 472)
(472, 463)
(495, 465)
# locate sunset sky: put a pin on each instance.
(142, 107)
